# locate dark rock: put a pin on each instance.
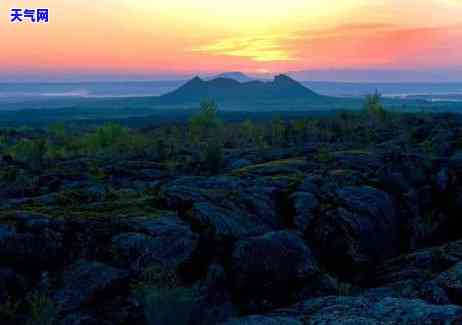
(423, 265)
(12, 284)
(362, 161)
(451, 282)
(185, 191)
(442, 180)
(7, 159)
(367, 200)
(310, 184)
(433, 293)
(455, 162)
(430, 274)
(305, 204)
(360, 310)
(320, 285)
(89, 283)
(6, 233)
(227, 205)
(96, 192)
(263, 320)
(395, 183)
(41, 250)
(271, 267)
(213, 304)
(164, 240)
(362, 232)
(226, 223)
(240, 163)
(82, 319)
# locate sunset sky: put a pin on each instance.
(181, 37)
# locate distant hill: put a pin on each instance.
(238, 76)
(229, 90)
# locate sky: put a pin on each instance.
(170, 38)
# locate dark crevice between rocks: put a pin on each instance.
(209, 249)
(285, 208)
(196, 268)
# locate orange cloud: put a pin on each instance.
(180, 36)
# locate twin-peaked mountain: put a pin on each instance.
(229, 90)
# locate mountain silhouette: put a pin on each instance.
(229, 90)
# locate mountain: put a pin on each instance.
(231, 91)
(238, 76)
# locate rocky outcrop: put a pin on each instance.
(165, 240)
(268, 269)
(358, 310)
(362, 230)
(333, 231)
(85, 282)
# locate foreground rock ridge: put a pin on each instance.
(316, 232)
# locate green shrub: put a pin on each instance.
(214, 156)
(30, 152)
(278, 129)
(108, 138)
(160, 148)
(58, 131)
(247, 130)
(374, 107)
(205, 124)
(206, 131)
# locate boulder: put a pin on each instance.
(89, 283)
(183, 192)
(310, 184)
(442, 180)
(431, 274)
(12, 284)
(228, 206)
(423, 265)
(270, 268)
(359, 310)
(39, 249)
(240, 163)
(263, 320)
(305, 205)
(213, 300)
(451, 282)
(225, 223)
(164, 240)
(365, 161)
(361, 231)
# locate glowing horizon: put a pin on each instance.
(205, 36)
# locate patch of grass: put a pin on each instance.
(292, 162)
(323, 155)
(143, 206)
(341, 172)
(353, 152)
